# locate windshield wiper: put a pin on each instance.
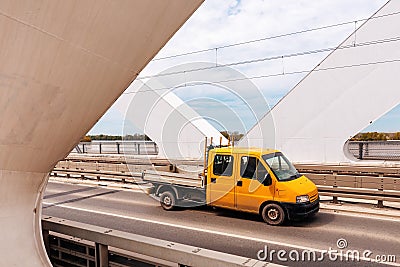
(294, 177)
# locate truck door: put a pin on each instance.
(221, 185)
(250, 190)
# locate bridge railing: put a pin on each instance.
(362, 150)
(375, 150)
(88, 245)
(362, 182)
(357, 182)
(137, 147)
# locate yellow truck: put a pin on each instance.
(254, 180)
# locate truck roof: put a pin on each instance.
(245, 150)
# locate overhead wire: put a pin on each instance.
(268, 75)
(303, 53)
(274, 37)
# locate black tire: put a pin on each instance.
(167, 200)
(273, 214)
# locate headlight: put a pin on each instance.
(302, 199)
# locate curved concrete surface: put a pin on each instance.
(63, 63)
(350, 89)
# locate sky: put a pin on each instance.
(218, 24)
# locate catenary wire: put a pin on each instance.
(269, 75)
(274, 37)
(256, 60)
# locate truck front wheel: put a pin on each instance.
(167, 200)
(273, 214)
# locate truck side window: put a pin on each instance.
(223, 165)
(261, 172)
(248, 166)
(252, 168)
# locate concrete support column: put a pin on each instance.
(21, 194)
(63, 64)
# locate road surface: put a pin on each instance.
(227, 231)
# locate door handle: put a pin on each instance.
(213, 180)
(239, 183)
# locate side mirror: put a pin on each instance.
(267, 180)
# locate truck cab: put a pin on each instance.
(260, 181)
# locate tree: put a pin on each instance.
(86, 138)
(370, 136)
(396, 136)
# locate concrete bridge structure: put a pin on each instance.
(63, 64)
(351, 88)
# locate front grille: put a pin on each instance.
(313, 196)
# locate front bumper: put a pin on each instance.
(301, 210)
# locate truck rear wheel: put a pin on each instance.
(273, 214)
(167, 200)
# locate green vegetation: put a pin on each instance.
(233, 136)
(236, 136)
(396, 136)
(375, 136)
(137, 137)
(105, 137)
(86, 139)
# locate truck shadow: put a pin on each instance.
(317, 220)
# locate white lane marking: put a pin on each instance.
(123, 201)
(105, 185)
(302, 248)
(325, 208)
(351, 213)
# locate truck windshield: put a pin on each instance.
(281, 167)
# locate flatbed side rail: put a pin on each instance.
(192, 180)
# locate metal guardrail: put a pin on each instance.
(371, 170)
(362, 182)
(99, 169)
(345, 181)
(136, 147)
(362, 150)
(77, 244)
(375, 150)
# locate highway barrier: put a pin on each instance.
(70, 243)
(346, 181)
(360, 182)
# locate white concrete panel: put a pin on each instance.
(178, 130)
(63, 63)
(355, 85)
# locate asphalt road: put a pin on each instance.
(227, 231)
